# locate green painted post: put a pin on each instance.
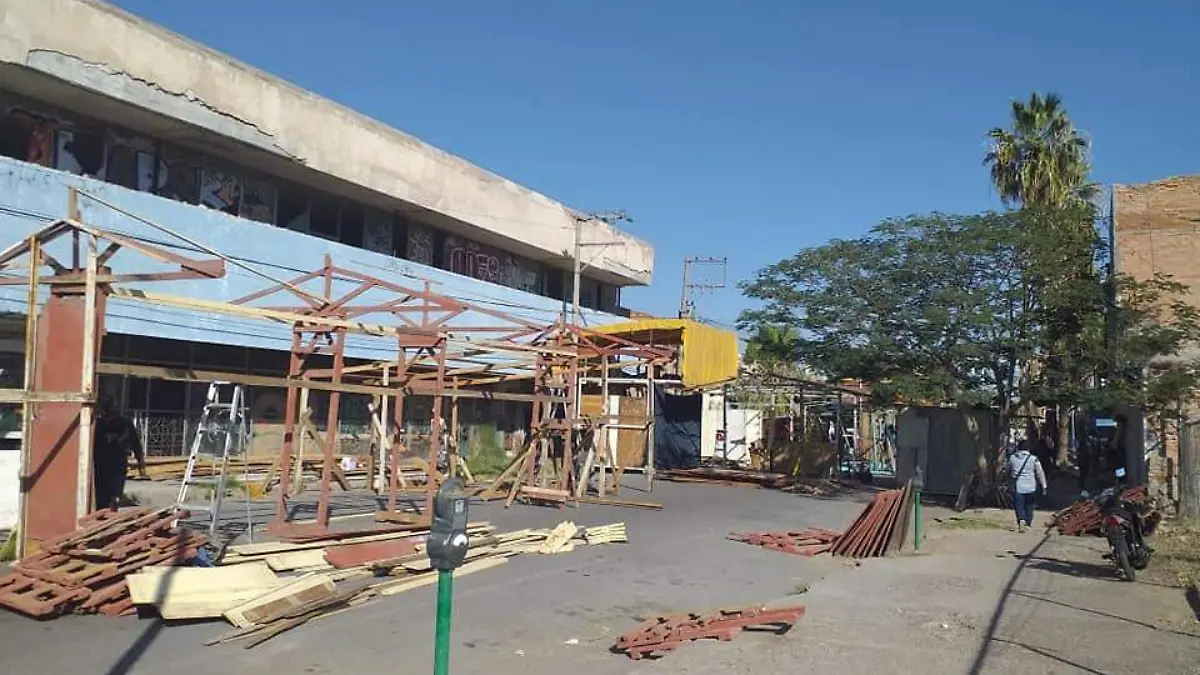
(441, 644)
(917, 521)
(918, 482)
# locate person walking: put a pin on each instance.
(1025, 473)
(116, 437)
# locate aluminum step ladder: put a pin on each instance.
(222, 432)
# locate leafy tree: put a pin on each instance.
(934, 308)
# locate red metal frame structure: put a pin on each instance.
(442, 350)
(62, 345)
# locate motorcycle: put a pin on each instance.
(1123, 527)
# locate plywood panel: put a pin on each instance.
(631, 443)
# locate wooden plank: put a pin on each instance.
(402, 585)
(631, 503)
(294, 560)
(297, 593)
(200, 592)
(357, 555)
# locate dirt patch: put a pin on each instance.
(1176, 559)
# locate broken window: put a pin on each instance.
(80, 151)
(324, 222)
(258, 201)
(27, 136)
(350, 232)
(293, 209)
(220, 190)
(130, 161)
(178, 175)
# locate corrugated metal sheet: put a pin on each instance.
(709, 355)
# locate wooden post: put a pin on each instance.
(301, 442)
(28, 409)
(452, 451)
(87, 385)
(435, 440)
(384, 435)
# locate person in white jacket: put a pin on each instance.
(1025, 473)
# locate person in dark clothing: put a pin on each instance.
(115, 438)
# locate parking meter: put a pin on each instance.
(447, 548)
(447, 543)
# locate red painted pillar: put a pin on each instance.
(51, 479)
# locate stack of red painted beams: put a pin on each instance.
(664, 633)
(84, 572)
(1084, 517)
(879, 528)
(810, 542)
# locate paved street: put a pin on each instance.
(933, 612)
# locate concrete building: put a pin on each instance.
(153, 125)
(1156, 230)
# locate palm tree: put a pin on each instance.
(1042, 160)
(772, 346)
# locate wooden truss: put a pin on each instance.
(443, 348)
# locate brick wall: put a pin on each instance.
(1157, 231)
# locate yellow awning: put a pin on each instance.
(708, 355)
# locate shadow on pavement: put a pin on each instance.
(1050, 655)
(134, 653)
(1107, 615)
(1085, 570)
(994, 623)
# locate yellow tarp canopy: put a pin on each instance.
(709, 355)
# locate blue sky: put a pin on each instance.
(739, 129)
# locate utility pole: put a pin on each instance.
(686, 305)
(609, 217)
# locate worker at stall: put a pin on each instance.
(115, 438)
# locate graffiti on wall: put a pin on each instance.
(221, 191)
(477, 261)
(420, 244)
(377, 233)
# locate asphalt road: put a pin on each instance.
(975, 604)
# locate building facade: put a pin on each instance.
(1156, 231)
(152, 127)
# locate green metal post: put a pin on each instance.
(917, 521)
(441, 644)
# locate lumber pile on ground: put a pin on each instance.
(332, 572)
(86, 572)
(718, 476)
(1084, 516)
(662, 634)
(879, 529)
(810, 542)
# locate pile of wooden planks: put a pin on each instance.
(810, 542)
(326, 577)
(718, 476)
(86, 572)
(880, 528)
